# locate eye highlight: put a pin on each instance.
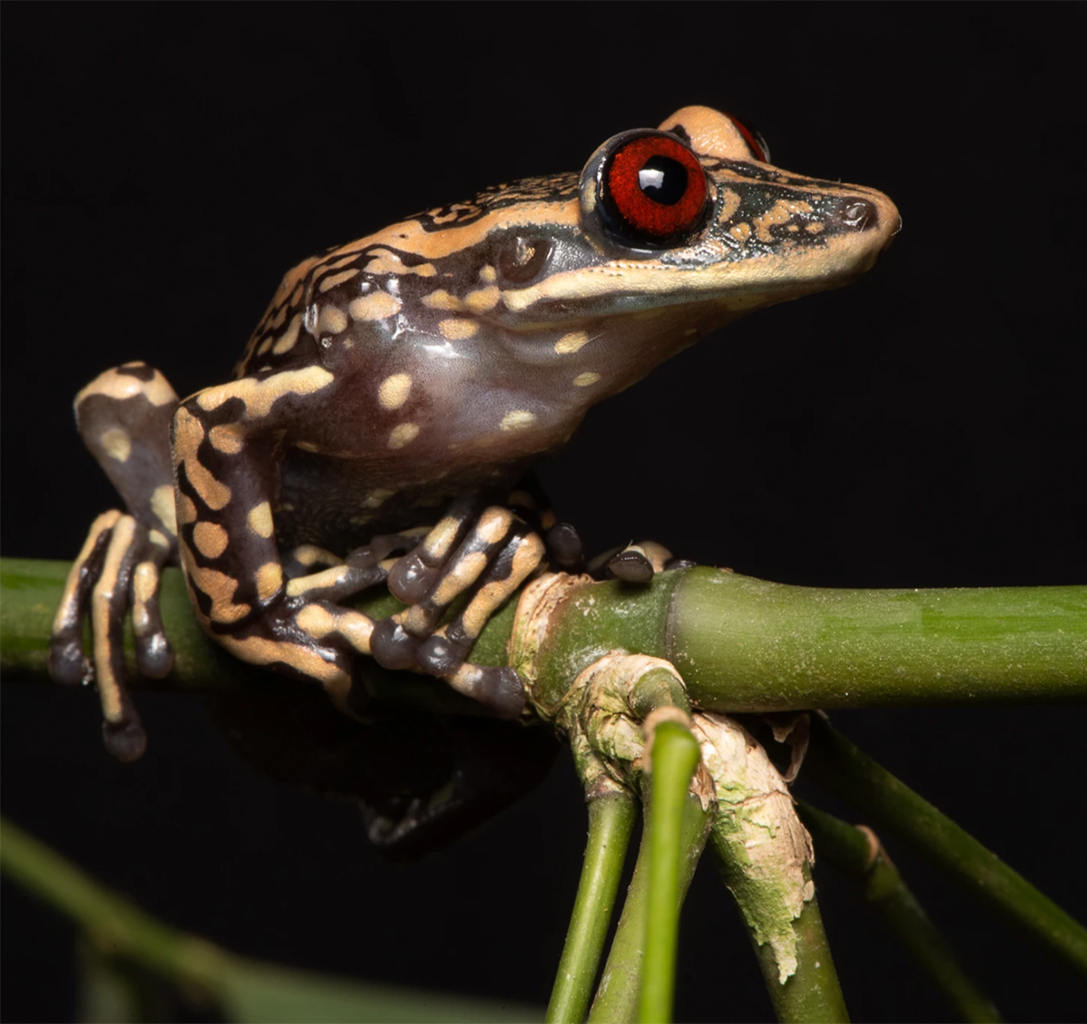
(653, 189)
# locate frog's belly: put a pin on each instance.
(339, 504)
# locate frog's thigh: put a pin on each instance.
(223, 440)
(124, 419)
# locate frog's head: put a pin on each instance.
(518, 310)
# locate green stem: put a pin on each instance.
(858, 853)
(242, 989)
(616, 998)
(611, 818)
(740, 644)
(674, 757)
(813, 992)
(835, 763)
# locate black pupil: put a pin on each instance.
(663, 180)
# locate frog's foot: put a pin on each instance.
(497, 555)
(119, 567)
(635, 563)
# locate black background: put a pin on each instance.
(163, 166)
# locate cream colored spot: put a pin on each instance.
(317, 581)
(259, 651)
(335, 279)
(145, 586)
(307, 446)
(117, 444)
(385, 262)
(375, 306)
(813, 228)
(114, 384)
(263, 347)
(220, 588)
(186, 510)
(488, 275)
(314, 619)
(210, 539)
(583, 380)
(289, 337)
(332, 320)
(571, 342)
(441, 299)
(781, 212)
(456, 329)
(517, 420)
(377, 497)
(741, 232)
(403, 434)
(440, 539)
(260, 395)
(393, 391)
(482, 299)
(227, 439)
(260, 520)
(493, 524)
(269, 578)
(730, 203)
(462, 576)
(212, 492)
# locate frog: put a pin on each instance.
(381, 427)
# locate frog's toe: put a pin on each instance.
(631, 565)
(154, 655)
(564, 548)
(496, 687)
(119, 567)
(636, 563)
(391, 646)
(439, 655)
(125, 740)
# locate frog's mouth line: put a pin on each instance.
(630, 287)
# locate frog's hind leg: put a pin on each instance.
(123, 418)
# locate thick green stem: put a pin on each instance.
(838, 765)
(674, 757)
(740, 644)
(611, 818)
(858, 853)
(616, 998)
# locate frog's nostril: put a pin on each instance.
(859, 214)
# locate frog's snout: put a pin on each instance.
(874, 212)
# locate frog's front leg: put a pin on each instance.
(487, 556)
(124, 419)
(224, 444)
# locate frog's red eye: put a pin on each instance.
(654, 189)
(753, 138)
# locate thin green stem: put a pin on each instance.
(616, 997)
(858, 853)
(243, 989)
(674, 757)
(836, 764)
(611, 818)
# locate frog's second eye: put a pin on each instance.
(754, 139)
(653, 189)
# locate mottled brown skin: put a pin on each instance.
(397, 390)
